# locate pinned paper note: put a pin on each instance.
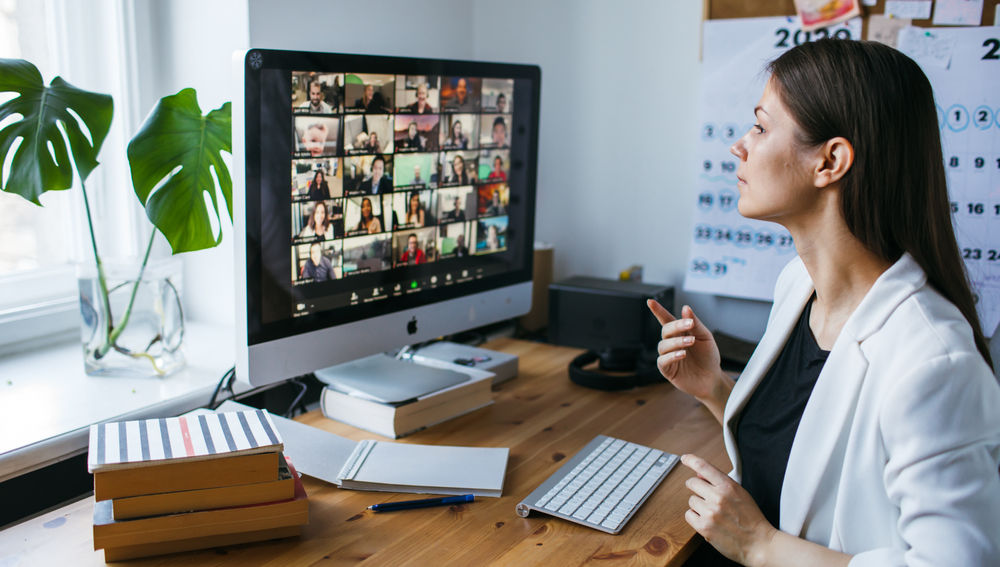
(958, 13)
(816, 14)
(928, 48)
(912, 9)
(885, 30)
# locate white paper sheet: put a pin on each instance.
(913, 9)
(958, 13)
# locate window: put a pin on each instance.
(40, 246)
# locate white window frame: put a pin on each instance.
(93, 46)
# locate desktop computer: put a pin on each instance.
(378, 202)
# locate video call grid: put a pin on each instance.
(377, 183)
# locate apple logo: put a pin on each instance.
(411, 326)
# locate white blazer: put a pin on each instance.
(895, 459)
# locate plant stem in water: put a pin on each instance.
(102, 281)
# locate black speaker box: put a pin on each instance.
(610, 318)
(598, 313)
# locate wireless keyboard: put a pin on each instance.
(602, 485)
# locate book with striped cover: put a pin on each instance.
(150, 442)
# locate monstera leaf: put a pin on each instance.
(172, 159)
(41, 162)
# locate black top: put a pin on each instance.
(768, 422)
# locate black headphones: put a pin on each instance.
(641, 364)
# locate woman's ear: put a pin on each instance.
(836, 158)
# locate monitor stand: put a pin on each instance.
(384, 378)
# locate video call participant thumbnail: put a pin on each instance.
(413, 171)
(456, 204)
(368, 134)
(494, 128)
(365, 254)
(460, 131)
(316, 93)
(494, 165)
(411, 209)
(417, 94)
(317, 179)
(459, 168)
(368, 175)
(413, 247)
(416, 133)
(497, 95)
(317, 262)
(460, 94)
(319, 220)
(363, 215)
(493, 199)
(316, 136)
(491, 235)
(370, 94)
(453, 240)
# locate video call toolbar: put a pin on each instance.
(396, 170)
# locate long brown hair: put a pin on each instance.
(894, 197)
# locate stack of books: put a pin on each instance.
(191, 482)
(394, 420)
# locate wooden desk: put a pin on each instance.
(540, 415)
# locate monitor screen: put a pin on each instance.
(376, 186)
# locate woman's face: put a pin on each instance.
(774, 176)
(412, 129)
(366, 208)
(497, 163)
(457, 129)
(319, 215)
(457, 164)
(319, 177)
(414, 203)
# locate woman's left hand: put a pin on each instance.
(725, 514)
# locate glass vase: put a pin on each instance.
(135, 329)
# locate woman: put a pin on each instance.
(864, 427)
(369, 223)
(373, 144)
(319, 225)
(492, 238)
(457, 139)
(415, 212)
(458, 174)
(318, 188)
(413, 141)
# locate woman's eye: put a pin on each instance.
(760, 129)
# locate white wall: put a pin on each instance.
(617, 164)
(425, 28)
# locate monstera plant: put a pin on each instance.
(55, 129)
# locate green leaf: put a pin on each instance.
(34, 168)
(177, 137)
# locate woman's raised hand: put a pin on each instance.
(688, 355)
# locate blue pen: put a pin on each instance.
(410, 504)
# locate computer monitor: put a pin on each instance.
(378, 202)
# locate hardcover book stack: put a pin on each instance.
(191, 482)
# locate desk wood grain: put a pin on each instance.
(540, 415)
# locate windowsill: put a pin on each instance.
(47, 402)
